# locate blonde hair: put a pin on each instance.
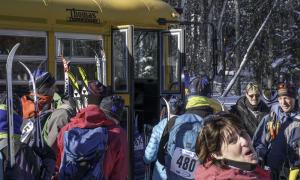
(252, 86)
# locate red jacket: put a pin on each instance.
(115, 162)
(213, 172)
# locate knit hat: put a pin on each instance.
(43, 81)
(97, 91)
(113, 107)
(286, 89)
(199, 86)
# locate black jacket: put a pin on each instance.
(242, 110)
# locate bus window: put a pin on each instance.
(32, 52)
(145, 54)
(80, 50)
(120, 61)
(170, 63)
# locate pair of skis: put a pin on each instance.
(28, 128)
(80, 94)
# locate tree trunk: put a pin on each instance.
(237, 87)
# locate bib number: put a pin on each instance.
(26, 131)
(183, 163)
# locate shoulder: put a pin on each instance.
(207, 172)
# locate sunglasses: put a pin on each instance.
(252, 95)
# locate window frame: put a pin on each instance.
(25, 58)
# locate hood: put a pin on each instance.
(91, 117)
(202, 101)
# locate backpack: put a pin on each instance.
(84, 151)
(162, 148)
(181, 159)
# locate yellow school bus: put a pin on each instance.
(143, 57)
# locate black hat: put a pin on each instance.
(286, 89)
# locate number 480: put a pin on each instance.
(186, 163)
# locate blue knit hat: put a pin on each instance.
(43, 81)
(199, 86)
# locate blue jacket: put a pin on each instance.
(159, 171)
(273, 152)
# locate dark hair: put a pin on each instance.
(213, 135)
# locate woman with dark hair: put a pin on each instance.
(225, 151)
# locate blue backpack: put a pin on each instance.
(181, 159)
(84, 151)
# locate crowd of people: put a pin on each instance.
(199, 138)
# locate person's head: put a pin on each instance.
(96, 92)
(286, 96)
(176, 105)
(224, 138)
(199, 86)
(44, 83)
(113, 107)
(253, 93)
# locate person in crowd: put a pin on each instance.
(6, 171)
(113, 153)
(250, 108)
(179, 134)
(58, 119)
(152, 149)
(38, 159)
(270, 138)
(225, 151)
(45, 89)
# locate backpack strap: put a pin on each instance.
(3, 143)
(164, 140)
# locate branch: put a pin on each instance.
(247, 53)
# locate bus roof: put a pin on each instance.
(83, 15)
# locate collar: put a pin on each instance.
(240, 165)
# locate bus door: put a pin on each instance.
(122, 79)
(171, 62)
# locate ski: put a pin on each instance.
(84, 89)
(37, 122)
(101, 74)
(76, 90)
(98, 67)
(10, 109)
(66, 65)
(168, 108)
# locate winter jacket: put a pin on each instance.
(249, 117)
(35, 161)
(115, 162)
(273, 152)
(213, 172)
(159, 171)
(58, 119)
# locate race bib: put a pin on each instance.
(184, 162)
(26, 131)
